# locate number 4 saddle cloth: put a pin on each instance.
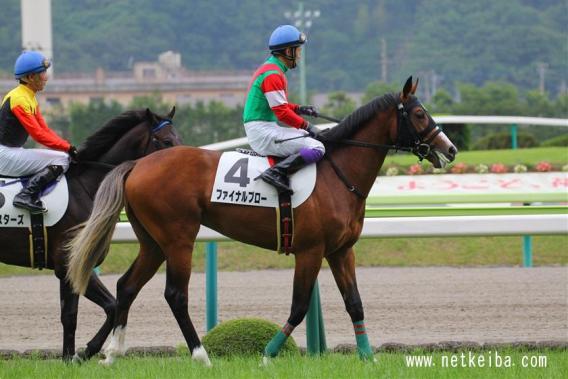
(235, 184)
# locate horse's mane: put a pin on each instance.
(99, 143)
(355, 120)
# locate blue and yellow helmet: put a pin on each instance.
(30, 62)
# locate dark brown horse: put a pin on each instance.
(130, 135)
(167, 197)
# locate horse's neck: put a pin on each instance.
(362, 164)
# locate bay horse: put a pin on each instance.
(167, 198)
(131, 135)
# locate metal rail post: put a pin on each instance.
(211, 284)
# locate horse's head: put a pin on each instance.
(130, 135)
(162, 132)
(418, 131)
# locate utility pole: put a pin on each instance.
(541, 69)
(384, 60)
(302, 19)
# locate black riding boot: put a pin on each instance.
(28, 198)
(277, 175)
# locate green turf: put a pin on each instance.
(530, 157)
(396, 252)
(389, 365)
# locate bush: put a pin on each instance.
(244, 337)
(459, 134)
(560, 141)
(502, 140)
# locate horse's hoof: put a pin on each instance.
(77, 359)
(108, 361)
(265, 361)
(200, 354)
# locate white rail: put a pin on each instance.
(420, 227)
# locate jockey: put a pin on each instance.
(267, 104)
(20, 117)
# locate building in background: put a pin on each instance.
(166, 77)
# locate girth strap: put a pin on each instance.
(38, 241)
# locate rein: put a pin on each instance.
(421, 147)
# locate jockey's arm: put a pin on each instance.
(274, 90)
(37, 128)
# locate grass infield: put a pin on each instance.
(486, 364)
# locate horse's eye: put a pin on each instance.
(420, 114)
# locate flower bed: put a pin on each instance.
(463, 168)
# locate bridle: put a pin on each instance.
(419, 144)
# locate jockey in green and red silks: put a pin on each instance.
(267, 105)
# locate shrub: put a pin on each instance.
(244, 337)
(498, 168)
(415, 169)
(560, 141)
(543, 166)
(459, 134)
(495, 141)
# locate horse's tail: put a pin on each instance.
(92, 238)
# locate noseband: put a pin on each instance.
(420, 146)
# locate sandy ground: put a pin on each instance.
(403, 305)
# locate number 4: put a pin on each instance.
(242, 180)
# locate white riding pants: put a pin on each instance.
(262, 134)
(19, 161)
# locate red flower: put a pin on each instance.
(543, 166)
(498, 168)
(459, 168)
(415, 169)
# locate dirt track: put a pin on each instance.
(404, 305)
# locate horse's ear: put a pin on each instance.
(151, 116)
(413, 90)
(407, 88)
(172, 112)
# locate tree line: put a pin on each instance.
(350, 44)
(205, 123)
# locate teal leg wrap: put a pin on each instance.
(363, 346)
(275, 344)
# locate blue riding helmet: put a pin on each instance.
(286, 36)
(30, 62)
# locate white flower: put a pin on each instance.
(392, 171)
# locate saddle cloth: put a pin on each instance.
(56, 202)
(235, 184)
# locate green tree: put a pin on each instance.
(84, 120)
(338, 105)
(375, 89)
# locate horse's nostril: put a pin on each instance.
(453, 150)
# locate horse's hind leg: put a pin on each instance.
(342, 264)
(100, 295)
(129, 285)
(178, 272)
(307, 267)
(69, 302)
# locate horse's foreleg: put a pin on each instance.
(307, 268)
(342, 264)
(100, 295)
(69, 302)
(176, 294)
(127, 288)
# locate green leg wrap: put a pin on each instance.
(275, 344)
(363, 347)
